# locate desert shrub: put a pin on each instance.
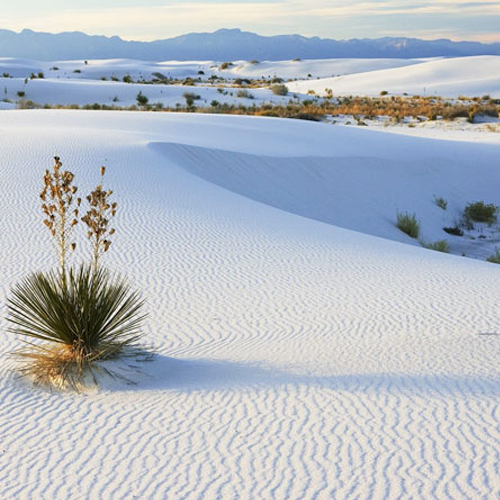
(438, 246)
(159, 76)
(191, 95)
(83, 314)
(92, 316)
(481, 212)
(141, 99)
(441, 202)
(41, 75)
(77, 71)
(383, 92)
(242, 81)
(26, 104)
(21, 94)
(244, 94)
(307, 116)
(454, 230)
(450, 113)
(495, 258)
(408, 223)
(226, 65)
(279, 89)
(127, 79)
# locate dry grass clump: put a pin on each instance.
(438, 246)
(83, 314)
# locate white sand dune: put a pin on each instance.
(316, 68)
(469, 76)
(97, 68)
(81, 92)
(296, 359)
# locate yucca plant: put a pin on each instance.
(93, 316)
(82, 314)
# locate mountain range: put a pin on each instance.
(227, 45)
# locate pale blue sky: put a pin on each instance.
(154, 19)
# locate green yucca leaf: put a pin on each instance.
(92, 311)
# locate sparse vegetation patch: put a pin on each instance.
(438, 246)
(408, 223)
(479, 211)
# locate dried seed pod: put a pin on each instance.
(97, 219)
(57, 198)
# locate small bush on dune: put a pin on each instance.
(141, 99)
(408, 223)
(82, 314)
(279, 89)
(481, 212)
(244, 94)
(191, 95)
(441, 203)
(438, 246)
(495, 258)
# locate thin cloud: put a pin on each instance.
(266, 17)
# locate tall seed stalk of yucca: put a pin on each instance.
(58, 200)
(97, 220)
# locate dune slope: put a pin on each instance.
(296, 359)
(469, 76)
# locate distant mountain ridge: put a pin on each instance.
(227, 45)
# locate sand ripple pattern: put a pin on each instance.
(296, 360)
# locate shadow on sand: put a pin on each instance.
(164, 373)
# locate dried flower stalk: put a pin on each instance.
(97, 220)
(57, 198)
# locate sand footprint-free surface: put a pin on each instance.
(297, 358)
